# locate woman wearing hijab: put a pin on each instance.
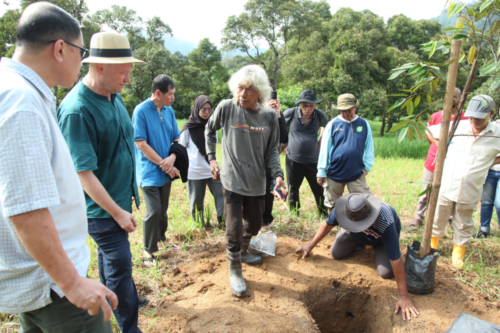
(199, 174)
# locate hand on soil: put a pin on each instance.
(92, 295)
(126, 221)
(407, 308)
(304, 248)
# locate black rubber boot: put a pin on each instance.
(247, 257)
(238, 285)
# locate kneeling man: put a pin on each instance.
(366, 220)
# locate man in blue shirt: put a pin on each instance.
(346, 154)
(366, 220)
(155, 131)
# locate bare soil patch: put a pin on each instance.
(319, 294)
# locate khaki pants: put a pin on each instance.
(422, 201)
(333, 190)
(462, 220)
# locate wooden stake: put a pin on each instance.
(443, 144)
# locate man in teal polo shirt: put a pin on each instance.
(100, 137)
(155, 131)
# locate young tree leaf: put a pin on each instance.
(414, 69)
(426, 191)
(460, 36)
(399, 125)
(472, 54)
(490, 68)
(429, 98)
(396, 74)
(399, 102)
(417, 100)
(410, 133)
(409, 107)
(433, 49)
(495, 26)
(417, 131)
(403, 134)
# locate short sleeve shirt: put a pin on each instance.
(385, 230)
(36, 172)
(100, 138)
(436, 119)
(159, 129)
(302, 138)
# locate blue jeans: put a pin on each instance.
(115, 270)
(490, 198)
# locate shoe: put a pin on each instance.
(238, 285)
(481, 234)
(149, 262)
(143, 301)
(415, 223)
(246, 256)
(457, 257)
(434, 243)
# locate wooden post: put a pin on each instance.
(441, 152)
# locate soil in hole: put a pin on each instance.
(340, 309)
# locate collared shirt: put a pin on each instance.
(100, 137)
(159, 129)
(436, 119)
(467, 163)
(36, 172)
(302, 138)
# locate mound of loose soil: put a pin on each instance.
(319, 294)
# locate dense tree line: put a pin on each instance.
(305, 47)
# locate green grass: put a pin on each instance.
(395, 164)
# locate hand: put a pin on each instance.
(276, 105)
(214, 169)
(167, 163)
(173, 172)
(279, 183)
(321, 180)
(366, 172)
(91, 295)
(406, 305)
(306, 248)
(126, 221)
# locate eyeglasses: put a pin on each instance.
(206, 110)
(83, 51)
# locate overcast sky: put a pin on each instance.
(194, 20)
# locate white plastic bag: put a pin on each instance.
(264, 244)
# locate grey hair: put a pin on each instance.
(458, 91)
(251, 76)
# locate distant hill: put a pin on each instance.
(178, 45)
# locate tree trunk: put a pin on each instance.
(389, 123)
(383, 126)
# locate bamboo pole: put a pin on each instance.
(441, 152)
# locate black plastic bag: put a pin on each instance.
(420, 272)
(466, 323)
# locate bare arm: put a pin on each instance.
(432, 141)
(404, 303)
(93, 187)
(496, 161)
(38, 234)
(323, 230)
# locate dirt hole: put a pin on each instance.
(340, 309)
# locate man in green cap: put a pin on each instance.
(347, 153)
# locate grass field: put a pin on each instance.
(395, 164)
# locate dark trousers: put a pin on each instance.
(243, 217)
(295, 173)
(115, 270)
(345, 245)
(155, 222)
(267, 216)
(61, 316)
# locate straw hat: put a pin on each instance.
(346, 102)
(110, 48)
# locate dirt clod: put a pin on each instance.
(335, 283)
(176, 271)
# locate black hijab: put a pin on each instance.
(196, 124)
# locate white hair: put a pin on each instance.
(251, 76)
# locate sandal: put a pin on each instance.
(149, 262)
